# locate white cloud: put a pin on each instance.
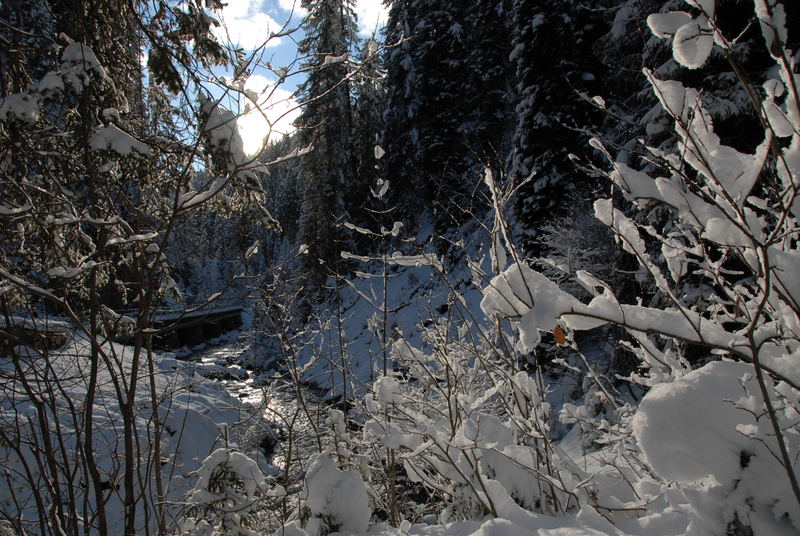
(247, 25)
(371, 13)
(276, 104)
(371, 16)
(292, 5)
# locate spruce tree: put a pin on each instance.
(400, 136)
(325, 124)
(369, 105)
(489, 30)
(446, 87)
(552, 116)
(25, 43)
(91, 23)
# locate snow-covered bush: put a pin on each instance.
(333, 500)
(577, 241)
(725, 434)
(226, 497)
(469, 429)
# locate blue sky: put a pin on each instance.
(248, 23)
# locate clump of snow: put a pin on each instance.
(772, 17)
(707, 430)
(51, 82)
(111, 114)
(79, 64)
(621, 19)
(692, 38)
(224, 135)
(335, 500)
(687, 430)
(667, 24)
(692, 43)
(112, 138)
(529, 298)
(387, 390)
(20, 106)
(246, 469)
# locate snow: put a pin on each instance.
(144, 237)
(692, 38)
(686, 429)
(667, 24)
(701, 430)
(415, 260)
(697, 452)
(583, 524)
(622, 17)
(777, 115)
(772, 17)
(692, 44)
(111, 114)
(12, 211)
(194, 198)
(112, 138)
(51, 82)
(526, 295)
(246, 469)
(708, 7)
(338, 499)
(719, 231)
(20, 106)
(387, 390)
(192, 410)
(68, 273)
(79, 64)
(50, 324)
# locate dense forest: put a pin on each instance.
(515, 267)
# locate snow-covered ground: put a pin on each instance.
(194, 411)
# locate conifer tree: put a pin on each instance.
(25, 38)
(367, 125)
(440, 44)
(325, 124)
(445, 101)
(489, 30)
(552, 116)
(400, 136)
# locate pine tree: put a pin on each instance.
(489, 31)
(367, 125)
(325, 124)
(552, 117)
(400, 136)
(445, 101)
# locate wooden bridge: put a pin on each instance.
(172, 329)
(182, 328)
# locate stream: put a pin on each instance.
(283, 431)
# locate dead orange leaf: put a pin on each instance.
(559, 334)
